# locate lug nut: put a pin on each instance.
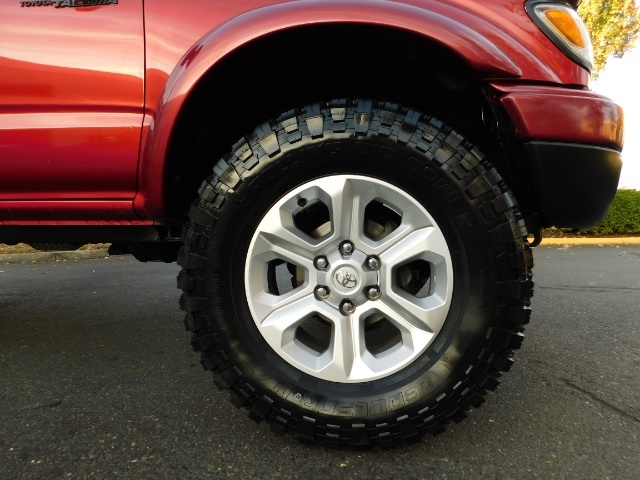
(346, 248)
(373, 293)
(322, 292)
(373, 263)
(321, 263)
(347, 308)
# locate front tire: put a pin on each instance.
(356, 272)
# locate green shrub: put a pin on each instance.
(624, 216)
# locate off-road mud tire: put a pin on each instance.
(454, 182)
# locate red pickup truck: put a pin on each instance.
(348, 185)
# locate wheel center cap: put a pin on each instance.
(346, 278)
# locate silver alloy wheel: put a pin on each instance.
(381, 336)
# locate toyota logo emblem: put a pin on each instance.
(346, 278)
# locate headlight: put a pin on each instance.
(564, 28)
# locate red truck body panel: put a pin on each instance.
(583, 117)
(71, 108)
(89, 96)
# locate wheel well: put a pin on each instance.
(295, 67)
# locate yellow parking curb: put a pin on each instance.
(591, 241)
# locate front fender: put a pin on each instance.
(485, 46)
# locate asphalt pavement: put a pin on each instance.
(97, 380)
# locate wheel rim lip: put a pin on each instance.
(295, 355)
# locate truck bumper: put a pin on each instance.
(572, 141)
(575, 183)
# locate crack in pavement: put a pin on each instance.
(590, 288)
(604, 403)
(53, 404)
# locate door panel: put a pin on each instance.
(71, 100)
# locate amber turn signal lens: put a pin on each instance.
(566, 25)
(562, 25)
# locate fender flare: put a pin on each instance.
(440, 22)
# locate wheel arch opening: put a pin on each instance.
(298, 66)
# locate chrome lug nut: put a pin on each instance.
(321, 263)
(346, 248)
(322, 292)
(347, 308)
(373, 293)
(373, 263)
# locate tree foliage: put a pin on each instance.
(614, 25)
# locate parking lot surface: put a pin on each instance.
(97, 380)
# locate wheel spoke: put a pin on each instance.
(268, 247)
(344, 206)
(427, 314)
(284, 238)
(266, 304)
(414, 340)
(349, 199)
(347, 348)
(278, 326)
(428, 239)
(416, 334)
